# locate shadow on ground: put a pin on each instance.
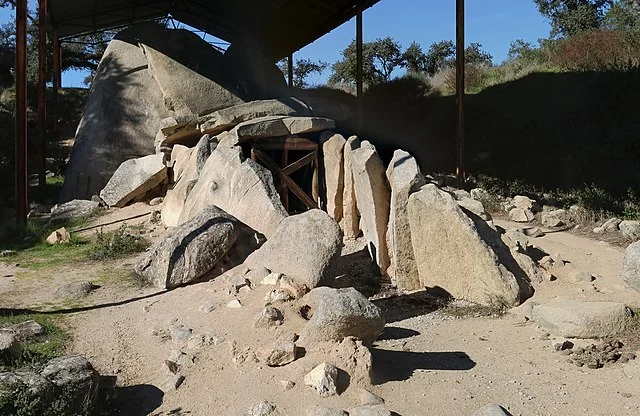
(137, 400)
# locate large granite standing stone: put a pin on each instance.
(576, 319)
(631, 266)
(198, 248)
(120, 119)
(134, 177)
(405, 178)
(374, 197)
(451, 255)
(340, 313)
(302, 248)
(350, 215)
(333, 152)
(242, 188)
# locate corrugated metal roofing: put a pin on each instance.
(281, 27)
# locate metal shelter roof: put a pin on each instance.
(280, 26)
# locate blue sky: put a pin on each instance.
(493, 23)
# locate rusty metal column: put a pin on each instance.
(359, 71)
(21, 111)
(42, 93)
(290, 70)
(56, 79)
(460, 67)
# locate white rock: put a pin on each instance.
(323, 378)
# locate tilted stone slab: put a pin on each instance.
(404, 178)
(374, 197)
(134, 177)
(350, 223)
(451, 255)
(333, 153)
(278, 126)
(576, 319)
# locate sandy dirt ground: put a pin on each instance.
(427, 362)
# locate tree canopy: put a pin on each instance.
(302, 69)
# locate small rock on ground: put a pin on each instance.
(262, 409)
(75, 290)
(323, 378)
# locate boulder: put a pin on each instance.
(474, 207)
(333, 153)
(630, 229)
(75, 290)
(302, 248)
(354, 357)
(323, 378)
(350, 216)
(340, 313)
(522, 202)
(554, 218)
(73, 210)
(76, 377)
(278, 126)
(25, 330)
(38, 387)
(242, 188)
(278, 354)
(228, 118)
(180, 156)
(59, 236)
(10, 348)
(631, 266)
(262, 409)
(576, 319)
(205, 246)
(374, 198)
(451, 254)
(404, 178)
(612, 224)
(133, 178)
(521, 215)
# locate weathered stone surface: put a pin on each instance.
(323, 378)
(475, 207)
(76, 209)
(242, 188)
(10, 348)
(277, 126)
(612, 224)
(59, 236)
(521, 215)
(555, 218)
(350, 215)
(75, 290)
(196, 249)
(369, 411)
(76, 376)
(354, 357)
(631, 266)
(278, 354)
(302, 247)
(450, 253)
(523, 202)
(369, 399)
(374, 197)
(630, 229)
(38, 387)
(326, 411)
(262, 409)
(269, 317)
(227, 118)
(404, 178)
(134, 177)
(490, 410)
(333, 153)
(576, 319)
(24, 331)
(340, 313)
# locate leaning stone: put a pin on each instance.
(374, 197)
(278, 354)
(333, 153)
(350, 215)
(278, 126)
(206, 244)
(10, 349)
(404, 178)
(576, 319)
(490, 410)
(369, 411)
(75, 209)
(302, 247)
(59, 236)
(262, 409)
(521, 215)
(134, 177)
(323, 378)
(75, 376)
(228, 118)
(75, 290)
(340, 313)
(452, 255)
(630, 229)
(269, 317)
(631, 266)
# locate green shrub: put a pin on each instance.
(117, 244)
(598, 50)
